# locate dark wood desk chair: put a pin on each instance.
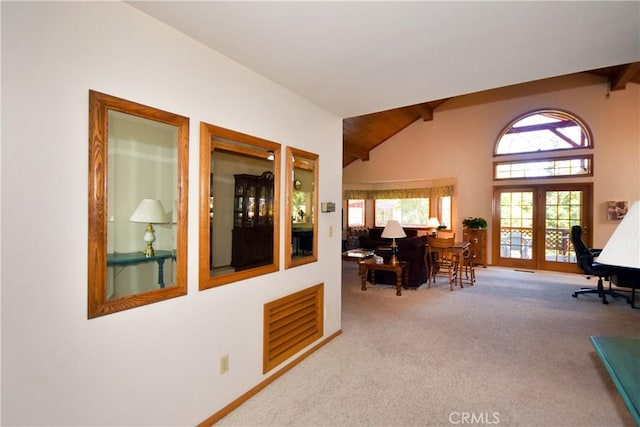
(585, 258)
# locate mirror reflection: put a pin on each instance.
(301, 207)
(239, 238)
(137, 204)
(141, 231)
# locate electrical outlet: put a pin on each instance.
(330, 231)
(224, 364)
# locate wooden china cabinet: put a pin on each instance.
(478, 247)
(252, 235)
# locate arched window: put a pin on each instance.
(543, 131)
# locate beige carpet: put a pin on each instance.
(512, 350)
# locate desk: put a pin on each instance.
(621, 357)
(626, 278)
(401, 269)
(133, 258)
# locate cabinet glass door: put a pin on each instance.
(237, 213)
(262, 206)
(251, 205)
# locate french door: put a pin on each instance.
(532, 225)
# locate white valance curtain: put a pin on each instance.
(403, 193)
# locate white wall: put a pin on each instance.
(157, 364)
(459, 143)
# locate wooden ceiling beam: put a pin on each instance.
(425, 111)
(627, 72)
(363, 133)
(355, 150)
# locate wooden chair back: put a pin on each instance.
(442, 258)
(437, 243)
(445, 234)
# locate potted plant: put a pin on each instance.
(477, 223)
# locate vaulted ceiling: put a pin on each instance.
(362, 134)
(381, 65)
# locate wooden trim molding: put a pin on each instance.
(255, 390)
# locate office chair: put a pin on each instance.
(585, 259)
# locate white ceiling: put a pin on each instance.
(359, 57)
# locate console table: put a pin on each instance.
(401, 269)
(133, 258)
(621, 357)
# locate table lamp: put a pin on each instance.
(433, 225)
(149, 211)
(623, 247)
(393, 230)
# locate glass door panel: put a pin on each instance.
(564, 208)
(516, 228)
(534, 225)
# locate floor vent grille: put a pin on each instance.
(291, 323)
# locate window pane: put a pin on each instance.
(545, 168)
(355, 213)
(408, 212)
(543, 130)
(445, 211)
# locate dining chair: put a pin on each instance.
(443, 258)
(469, 265)
(446, 234)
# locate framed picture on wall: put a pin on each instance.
(616, 210)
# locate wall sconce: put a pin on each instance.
(271, 155)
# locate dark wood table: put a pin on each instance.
(401, 269)
(357, 254)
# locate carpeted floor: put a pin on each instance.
(512, 350)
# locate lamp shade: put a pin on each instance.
(623, 247)
(393, 230)
(174, 212)
(149, 211)
(433, 222)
